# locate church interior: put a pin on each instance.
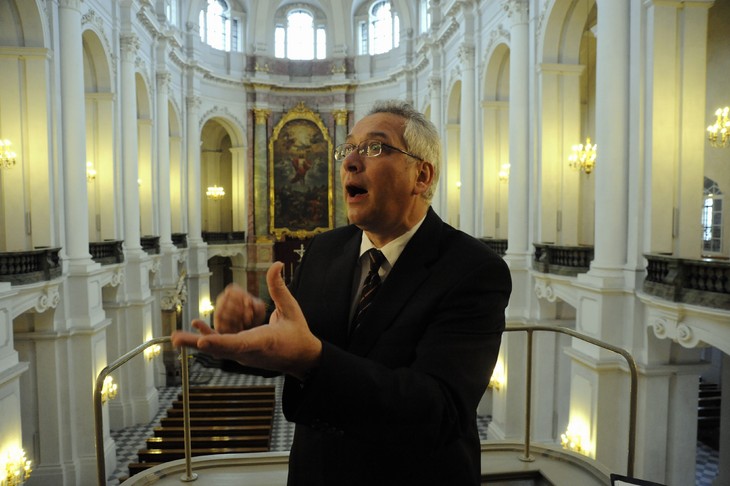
(154, 151)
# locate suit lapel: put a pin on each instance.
(338, 282)
(411, 269)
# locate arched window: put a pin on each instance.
(298, 38)
(217, 28)
(424, 16)
(171, 11)
(712, 218)
(381, 32)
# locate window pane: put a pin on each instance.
(321, 43)
(396, 31)
(300, 35)
(279, 42)
(381, 28)
(217, 24)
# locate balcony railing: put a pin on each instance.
(562, 260)
(150, 244)
(525, 457)
(704, 282)
(498, 245)
(30, 266)
(180, 240)
(107, 252)
(224, 238)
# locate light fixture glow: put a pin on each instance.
(215, 193)
(206, 308)
(719, 132)
(108, 390)
(504, 173)
(90, 172)
(7, 156)
(14, 467)
(583, 157)
(152, 352)
(577, 438)
(498, 378)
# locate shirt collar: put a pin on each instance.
(392, 249)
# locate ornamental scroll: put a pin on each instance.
(300, 175)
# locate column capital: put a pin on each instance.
(129, 44)
(434, 83)
(340, 116)
(193, 102)
(73, 4)
(466, 55)
(517, 10)
(261, 115)
(163, 79)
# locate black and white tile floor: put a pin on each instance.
(131, 439)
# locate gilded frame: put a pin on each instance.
(300, 175)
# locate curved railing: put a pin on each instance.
(632, 395)
(99, 420)
(190, 476)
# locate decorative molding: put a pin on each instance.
(434, 83)
(193, 102)
(545, 291)
(516, 10)
(466, 56)
(129, 45)
(163, 79)
(340, 117)
(171, 299)
(117, 277)
(224, 110)
(50, 298)
(261, 115)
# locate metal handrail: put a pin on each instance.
(632, 395)
(99, 420)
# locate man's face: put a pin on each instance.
(382, 194)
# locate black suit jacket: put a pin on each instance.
(395, 402)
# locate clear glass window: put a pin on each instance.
(712, 218)
(384, 28)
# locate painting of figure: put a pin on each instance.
(300, 175)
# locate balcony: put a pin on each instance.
(31, 266)
(704, 282)
(562, 260)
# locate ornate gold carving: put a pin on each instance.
(340, 117)
(261, 115)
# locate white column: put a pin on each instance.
(434, 87)
(129, 45)
(239, 195)
(612, 102)
(163, 161)
(468, 170)
(73, 118)
(519, 128)
(193, 139)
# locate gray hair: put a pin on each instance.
(421, 137)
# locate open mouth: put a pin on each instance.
(353, 190)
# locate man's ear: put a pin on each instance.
(424, 178)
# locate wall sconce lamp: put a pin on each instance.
(108, 390)
(215, 193)
(577, 439)
(719, 132)
(583, 157)
(206, 308)
(90, 172)
(504, 173)
(7, 156)
(152, 352)
(498, 379)
(14, 467)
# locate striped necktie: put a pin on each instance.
(370, 286)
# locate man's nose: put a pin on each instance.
(353, 162)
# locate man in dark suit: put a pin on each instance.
(383, 391)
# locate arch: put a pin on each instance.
(495, 142)
(22, 25)
(563, 101)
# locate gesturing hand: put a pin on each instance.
(285, 344)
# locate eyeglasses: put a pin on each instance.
(367, 148)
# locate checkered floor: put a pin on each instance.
(131, 439)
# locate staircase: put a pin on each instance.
(223, 420)
(708, 415)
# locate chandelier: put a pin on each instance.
(7, 156)
(215, 193)
(719, 132)
(583, 157)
